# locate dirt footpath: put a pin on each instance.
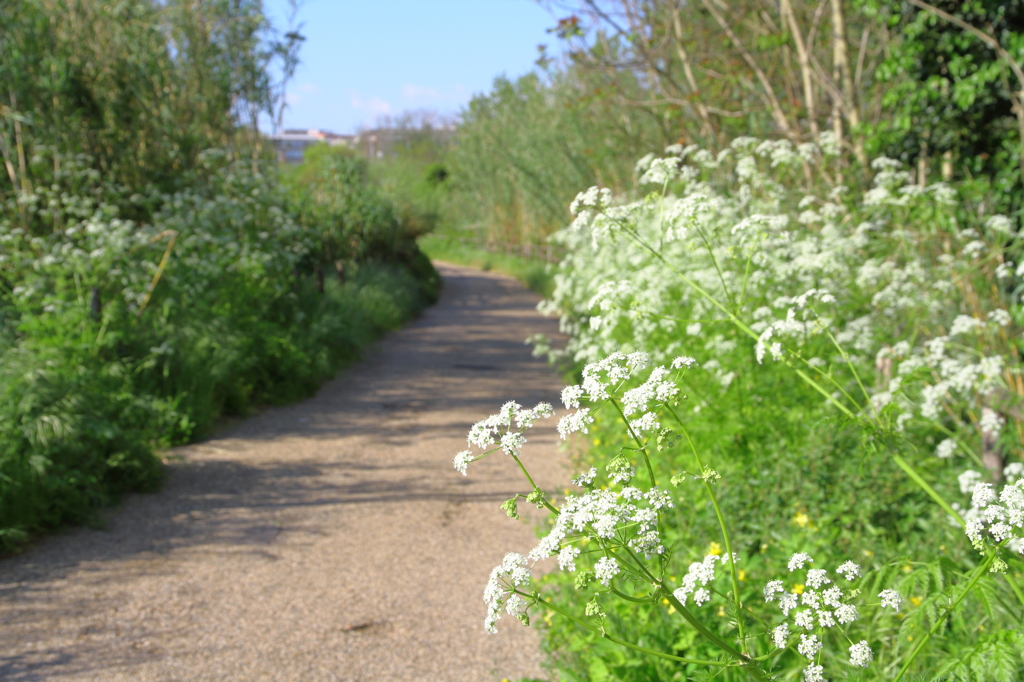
(327, 540)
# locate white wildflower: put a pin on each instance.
(571, 396)
(974, 529)
(846, 613)
(991, 422)
(891, 599)
(648, 422)
(631, 493)
(787, 602)
(567, 558)
(968, 480)
(804, 619)
(780, 635)
(860, 654)
(999, 223)
(945, 449)
(832, 596)
(462, 461)
(798, 560)
(577, 421)
(849, 570)
(983, 495)
(1000, 316)
(505, 578)
(659, 499)
(512, 443)
(586, 478)
(683, 361)
(773, 588)
(809, 646)
(605, 569)
(814, 673)
(816, 577)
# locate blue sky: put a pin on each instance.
(364, 59)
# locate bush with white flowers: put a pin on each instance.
(801, 332)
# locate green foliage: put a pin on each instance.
(951, 93)
(798, 474)
(526, 148)
(535, 274)
(154, 273)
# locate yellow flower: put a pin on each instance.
(868, 552)
(916, 601)
(721, 611)
(742, 575)
(908, 568)
(801, 519)
(715, 549)
(597, 441)
(798, 589)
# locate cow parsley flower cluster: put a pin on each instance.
(702, 572)
(504, 429)
(510, 575)
(998, 516)
(818, 603)
(602, 380)
(607, 515)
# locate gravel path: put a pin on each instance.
(327, 540)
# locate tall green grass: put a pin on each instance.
(537, 275)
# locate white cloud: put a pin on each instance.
(416, 94)
(311, 88)
(374, 105)
(420, 96)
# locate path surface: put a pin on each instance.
(327, 540)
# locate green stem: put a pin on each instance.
(828, 396)
(714, 261)
(831, 379)
(725, 533)
(640, 444)
(629, 645)
(916, 477)
(846, 357)
(533, 486)
(978, 572)
(635, 600)
(748, 663)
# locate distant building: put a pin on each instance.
(291, 144)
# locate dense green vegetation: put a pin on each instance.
(155, 273)
(535, 273)
(826, 216)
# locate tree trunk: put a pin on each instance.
(841, 62)
(789, 18)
